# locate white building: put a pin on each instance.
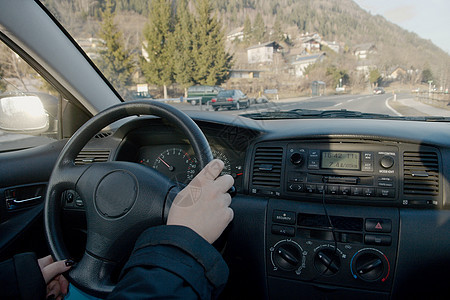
(262, 53)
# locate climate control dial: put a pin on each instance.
(370, 265)
(287, 255)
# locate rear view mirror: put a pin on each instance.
(23, 113)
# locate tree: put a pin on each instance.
(116, 63)
(427, 75)
(247, 30)
(184, 64)
(212, 62)
(160, 45)
(277, 30)
(375, 77)
(259, 28)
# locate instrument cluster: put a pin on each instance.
(178, 161)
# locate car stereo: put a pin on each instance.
(342, 170)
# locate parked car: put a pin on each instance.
(205, 92)
(378, 91)
(230, 99)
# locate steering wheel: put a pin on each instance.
(121, 199)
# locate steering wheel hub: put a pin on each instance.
(116, 194)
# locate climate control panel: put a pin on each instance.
(334, 245)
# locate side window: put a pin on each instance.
(30, 107)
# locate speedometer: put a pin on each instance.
(226, 162)
(176, 164)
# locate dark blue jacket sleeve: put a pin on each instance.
(21, 278)
(172, 262)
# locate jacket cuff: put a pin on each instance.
(189, 242)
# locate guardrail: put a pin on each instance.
(439, 99)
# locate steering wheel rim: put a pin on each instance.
(103, 215)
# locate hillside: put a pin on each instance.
(343, 21)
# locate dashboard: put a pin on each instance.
(325, 208)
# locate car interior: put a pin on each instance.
(336, 208)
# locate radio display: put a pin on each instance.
(340, 160)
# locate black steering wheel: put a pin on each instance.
(121, 199)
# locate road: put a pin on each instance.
(363, 103)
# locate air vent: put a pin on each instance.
(421, 173)
(91, 156)
(102, 135)
(267, 167)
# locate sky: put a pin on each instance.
(430, 19)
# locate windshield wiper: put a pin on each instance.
(342, 113)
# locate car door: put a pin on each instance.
(32, 134)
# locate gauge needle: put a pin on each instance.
(167, 165)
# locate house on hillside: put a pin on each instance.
(335, 46)
(236, 34)
(397, 73)
(263, 53)
(300, 63)
(362, 51)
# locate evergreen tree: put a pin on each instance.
(115, 63)
(277, 30)
(375, 77)
(160, 45)
(427, 75)
(247, 30)
(212, 62)
(184, 64)
(259, 29)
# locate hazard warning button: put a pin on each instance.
(378, 225)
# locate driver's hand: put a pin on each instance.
(203, 205)
(57, 285)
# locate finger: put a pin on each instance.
(230, 214)
(226, 200)
(45, 261)
(56, 268)
(224, 182)
(53, 288)
(64, 285)
(211, 170)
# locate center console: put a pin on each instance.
(336, 246)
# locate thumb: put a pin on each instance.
(52, 270)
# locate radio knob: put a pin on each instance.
(387, 162)
(296, 159)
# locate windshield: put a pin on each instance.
(225, 94)
(382, 57)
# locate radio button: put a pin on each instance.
(368, 156)
(344, 190)
(295, 187)
(385, 184)
(386, 193)
(320, 188)
(332, 189)
(313, 164)
(310, 188)
(367, 167)
(356, 191)
(314, 154)
(369, 192)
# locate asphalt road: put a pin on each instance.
(362, 103)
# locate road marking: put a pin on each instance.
(390, 107)
(337, 104)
